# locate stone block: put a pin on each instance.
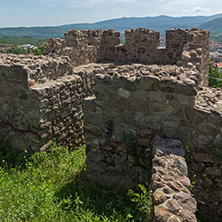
(146, 82)
(207, 128)
(161, 109)
(186, 201)
(170, 122)
(123, 93)
(172, 206)
(156, 96)
(159, 197)
(161, 214)
(186, 90)
(140, 95)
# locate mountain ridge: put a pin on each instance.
(159, 23)
(214, 26)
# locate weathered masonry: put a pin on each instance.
(141, 46)
(40, 99)
(138, 102)
(132, 104)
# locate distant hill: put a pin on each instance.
(14, 40)
(214, 26)
(34, 32)
(159, 23)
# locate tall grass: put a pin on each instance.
(52, 186)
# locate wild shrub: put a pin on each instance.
(143, 198)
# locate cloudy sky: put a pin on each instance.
(15, 13)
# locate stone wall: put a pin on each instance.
(139, 101)
(27, 80)
(141, 45)
(41, 99)
(161, 99)
(170, 183)
(196, 52)
(82, 47)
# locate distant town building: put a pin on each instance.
(27, 46)
(216, 56)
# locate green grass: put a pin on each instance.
(52, 186)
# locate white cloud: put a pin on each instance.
(200, 9)
(119, 8)
(84, 3)
(185, 10)
(196, 9)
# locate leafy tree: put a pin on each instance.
(39, 50)
(17, 50)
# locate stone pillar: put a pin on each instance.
(175, 40)
(198, 45)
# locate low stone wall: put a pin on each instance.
(141, 101)
(206, 172)
(161, 99)
(132, 102)
(41, 99)
(170, 183)
(118, 164)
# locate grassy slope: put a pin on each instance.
(52, 186)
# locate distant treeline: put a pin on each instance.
(14, 40)
(13, 44)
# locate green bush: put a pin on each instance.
(10, 157)
(143, 198)
(17, 50)
(39, 50)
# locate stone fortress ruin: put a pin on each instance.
(132, 104)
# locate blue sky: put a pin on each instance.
(15, 13)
